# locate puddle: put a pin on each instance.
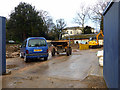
(38, 70)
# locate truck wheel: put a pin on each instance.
(53, 52)
(45, 58)
(21, 55)
(58, 53)
(90, 46)
(25, 59)
(67, 52)
(70, 51)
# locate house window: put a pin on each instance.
(71, 32)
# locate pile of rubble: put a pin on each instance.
(12, 55)
(12, 50)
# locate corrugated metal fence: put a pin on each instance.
(111, 65)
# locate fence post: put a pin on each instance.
(2, 45)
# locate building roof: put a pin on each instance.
(108, 6)
(72, 28)
(75, 28)
(81, 36)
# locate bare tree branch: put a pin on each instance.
(82, 15)
(47, 19)
(97, 10)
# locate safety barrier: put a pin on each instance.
(83, 46)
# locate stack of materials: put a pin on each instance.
(100, 57)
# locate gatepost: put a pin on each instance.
(2, 45)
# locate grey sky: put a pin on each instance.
(65, 9)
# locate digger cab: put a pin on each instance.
(92, 38)
(93, 41)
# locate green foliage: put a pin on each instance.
(25, 22)
(87, 30)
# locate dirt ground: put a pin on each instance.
(94, 81)
(80, 70)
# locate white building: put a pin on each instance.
(93, 31)
(72, 31)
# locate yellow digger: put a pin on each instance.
(93, 41)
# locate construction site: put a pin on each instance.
(69, 65)
(73, 61)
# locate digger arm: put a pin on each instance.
(99, 34)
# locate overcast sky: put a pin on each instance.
(65, 9)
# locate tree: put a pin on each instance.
(54, 33)
(60, 24)
(25, 21)
(97, 12)
(48, 22)
(82, 15)
(57, 30)
(87, 30)
(47, 19)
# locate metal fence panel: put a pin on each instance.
(2, 46)
(111, 46)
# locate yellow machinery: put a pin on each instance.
(94, 40)
(61, 46)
